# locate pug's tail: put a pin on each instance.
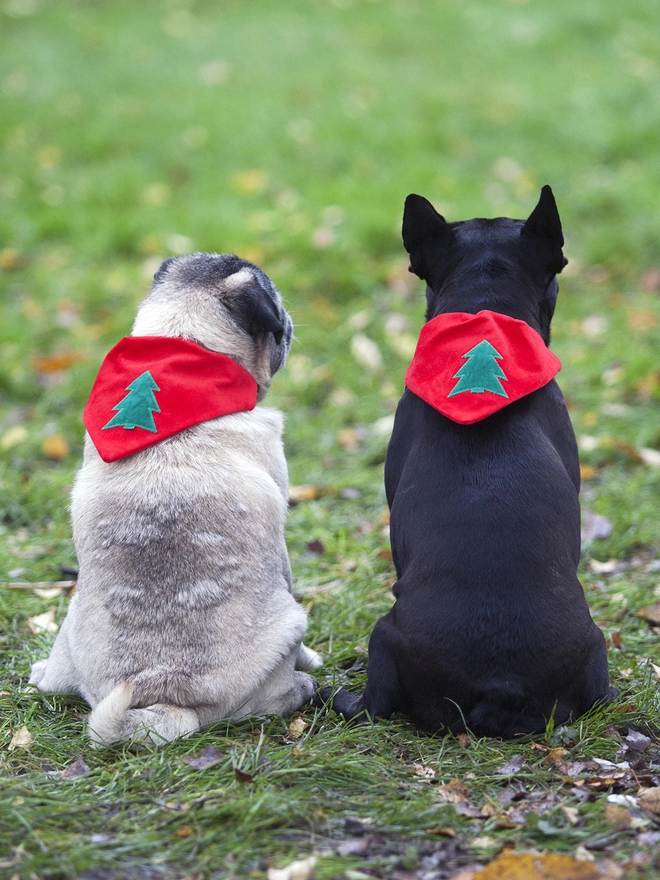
(114, 721)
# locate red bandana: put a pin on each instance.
(172, 384)
(470, 366)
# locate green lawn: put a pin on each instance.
(291, 133)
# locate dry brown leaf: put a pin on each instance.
(43, 622)
(242, 776)
(55, 447)
(75, 769)
(305, 493)
(21, 739)
(297, 727)
(441, 832)
(454, 792)
(53, 363)
(556, 758)
(618, 817)
(540, 866)
(649, 799)
(650, 613)
(588, 472)
(184, 831)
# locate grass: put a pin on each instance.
(291, 134)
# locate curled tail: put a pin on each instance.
(112, 720)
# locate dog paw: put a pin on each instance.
(38, 672)
(322, 698)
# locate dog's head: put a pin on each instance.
(224, 304)
(505, 265)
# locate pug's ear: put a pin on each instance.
(163, 269)
(255, 310)
(426, 236)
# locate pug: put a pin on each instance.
(184, 613)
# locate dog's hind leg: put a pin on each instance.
(383, 694)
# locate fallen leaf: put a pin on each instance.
(441, 832)
(540, 866)
(21, 739)
(206, 758)
(297, 727)
(53, 363)
(572, 814)
(650, 613)
(43, 622)
(511, 767)
(588, 472)
(75, 769)
(424, 772)
(454, 792)
(649, 799)
(242, 777)
(305, 493)
(298, 870)
(55, 447)
(351, 439)
(556, 757)
(184, 831)
(636, 741)
(618, 817)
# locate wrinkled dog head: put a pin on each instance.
(224, 304)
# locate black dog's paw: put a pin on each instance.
(322, 698)
(343, 703)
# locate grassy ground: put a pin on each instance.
(291, 133)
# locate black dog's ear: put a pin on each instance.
(256, 311)
(425, 233)
(544, 223)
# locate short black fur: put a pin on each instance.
(490, 630)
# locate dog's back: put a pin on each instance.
(490, 630)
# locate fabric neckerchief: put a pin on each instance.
(152, 387)
(470, 366)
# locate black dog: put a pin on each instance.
(490, 630)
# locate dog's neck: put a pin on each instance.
(150, 388)
(462, 361)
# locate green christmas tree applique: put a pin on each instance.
(481, 372)
(137, 408)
